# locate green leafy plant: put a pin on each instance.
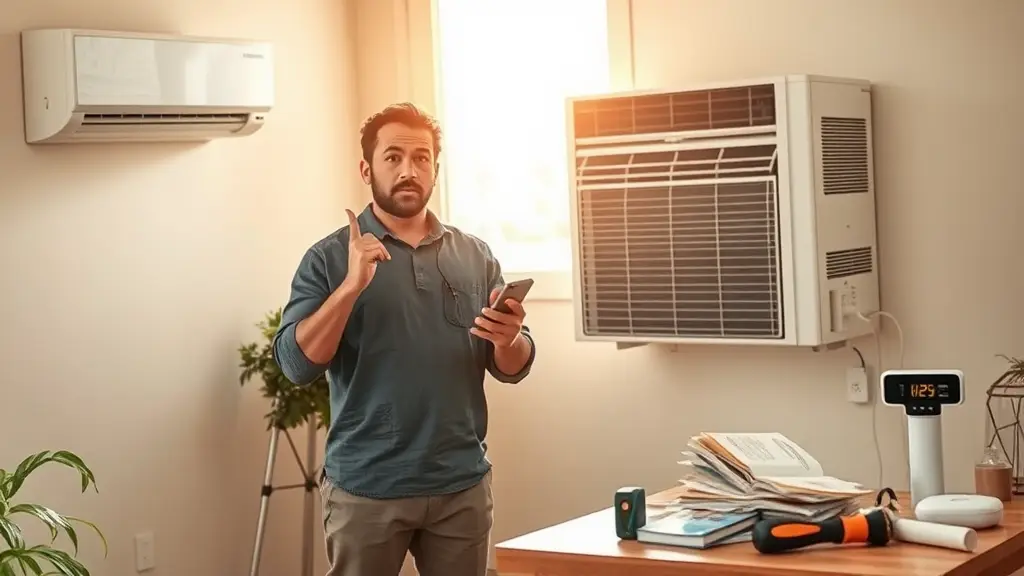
(291, 405)
(21, 559)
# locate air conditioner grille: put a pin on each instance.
(745, 106)
(660, 169)
(850, 262)
(844, 151)
(114, 119)
(698, 259)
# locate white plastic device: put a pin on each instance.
(922, 394)
(105, 86)
(935, 534)
(968, 510)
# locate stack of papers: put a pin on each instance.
(765, 473)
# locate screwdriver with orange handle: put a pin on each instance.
(872, 526)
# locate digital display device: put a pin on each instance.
(922, 392)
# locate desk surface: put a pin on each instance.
(588, 546)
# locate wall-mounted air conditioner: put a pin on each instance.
(93, 86)
(732, 213)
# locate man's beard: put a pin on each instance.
(399, 203)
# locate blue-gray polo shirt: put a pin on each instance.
(408, 410)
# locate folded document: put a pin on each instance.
(760, 472)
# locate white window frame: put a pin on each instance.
(417, 20)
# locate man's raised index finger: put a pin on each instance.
(353, 226)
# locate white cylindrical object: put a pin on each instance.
(926, 469)
(932, 534)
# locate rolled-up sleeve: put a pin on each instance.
(500, 376)
(308, 292)
(496, 280)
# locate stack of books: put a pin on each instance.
(733, 479)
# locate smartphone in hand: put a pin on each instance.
(516, 290)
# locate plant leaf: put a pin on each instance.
(29, 563)
(26, 557)
(30, 464)
(54, 521)
(17, 560)
(64, 564)
(291, 405)
(27, 466)
(71, 460)
(11, 533)
(95, 529)
(61, 560)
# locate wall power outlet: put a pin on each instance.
(857, 385)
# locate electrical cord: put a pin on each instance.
(878, 367)
(863, 364)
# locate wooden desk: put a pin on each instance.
(588, 546)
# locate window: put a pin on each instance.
(504, 70)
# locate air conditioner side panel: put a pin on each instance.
(796, 177)
(844, 207)
(48, 84)
(575, 231)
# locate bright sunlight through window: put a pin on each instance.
(505, 69)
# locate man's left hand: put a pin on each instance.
(503, 329)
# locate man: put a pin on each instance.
(397, 309)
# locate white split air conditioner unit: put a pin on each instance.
(730, 213)
(92, 86)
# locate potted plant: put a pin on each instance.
(291, 405)
(1003, 428)
(20, 557)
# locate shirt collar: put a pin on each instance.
(369, 222)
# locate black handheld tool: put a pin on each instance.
(872, 526)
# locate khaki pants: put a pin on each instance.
(447, 535)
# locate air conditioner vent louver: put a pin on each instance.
(660, 169)
(844, 149)
(671, 246)
(115, 119)
(739, 107)
(843, 263)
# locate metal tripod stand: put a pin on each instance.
(309, 473)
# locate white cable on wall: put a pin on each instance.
(875, 330)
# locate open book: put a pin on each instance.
(764, 471)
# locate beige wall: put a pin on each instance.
(131, 273)
(949, 130)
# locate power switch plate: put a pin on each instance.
(857, 385)
(145, 552)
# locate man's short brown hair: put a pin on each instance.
(403, 113)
